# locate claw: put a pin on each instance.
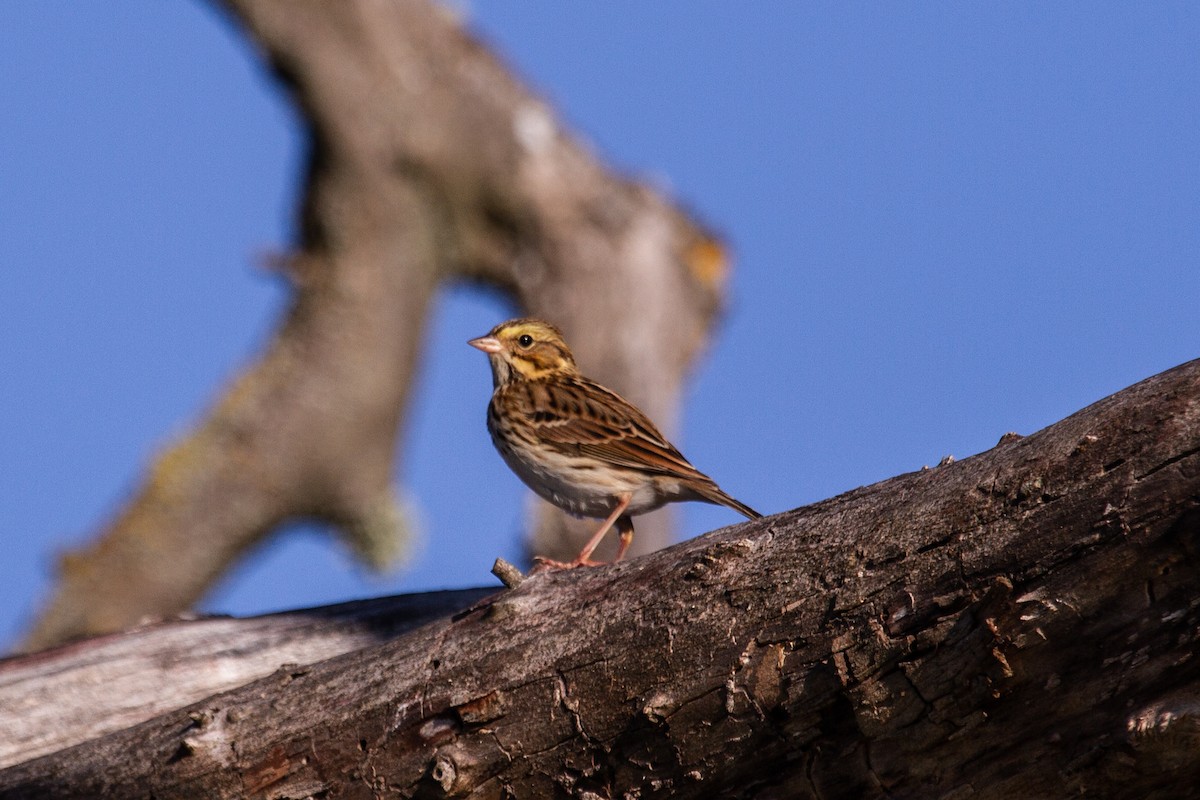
(543, 564)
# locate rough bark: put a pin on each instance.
(429, 162)
(49, 701)
(1021, 623)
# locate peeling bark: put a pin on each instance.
(1021, 623)
(429, 162)
(49, 701)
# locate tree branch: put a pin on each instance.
(1020, 623)
(428, 162)
(50, 702)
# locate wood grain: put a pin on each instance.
(1020, 623)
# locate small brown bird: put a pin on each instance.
(578, 445)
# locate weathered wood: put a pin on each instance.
(1021, 623)
(61, 697)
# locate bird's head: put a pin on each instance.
(525, 349)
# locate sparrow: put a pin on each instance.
(578, 445)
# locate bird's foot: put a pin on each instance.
(543, 564)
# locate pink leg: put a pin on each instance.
(584, 559)
(625, 529)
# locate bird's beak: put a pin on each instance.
(488, 344)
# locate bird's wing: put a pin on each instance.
(582, 417)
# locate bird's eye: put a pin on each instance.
(525, 340)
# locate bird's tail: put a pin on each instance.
(713, 494)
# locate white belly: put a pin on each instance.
(574, 486)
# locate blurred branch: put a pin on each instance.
(1021, 623)
(428, 162)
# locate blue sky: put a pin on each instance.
(949, 220)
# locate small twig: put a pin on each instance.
(508, 574)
